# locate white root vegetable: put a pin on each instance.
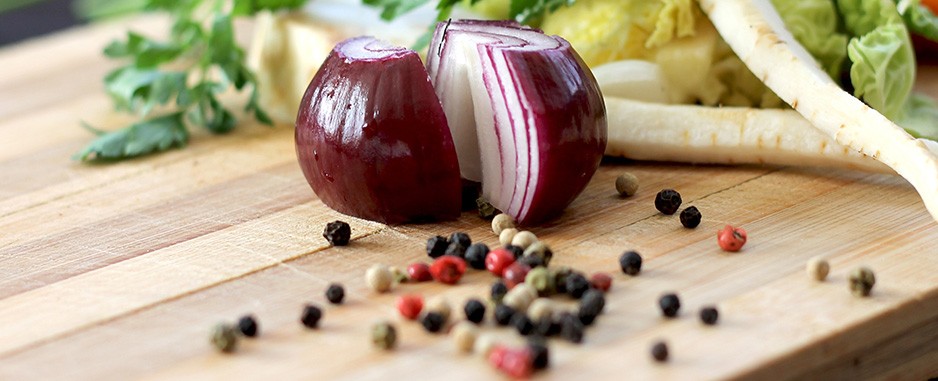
(755, 31)
(725, 135)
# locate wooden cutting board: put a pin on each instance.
(119, 271)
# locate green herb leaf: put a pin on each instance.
(531, 11)
(153, 135)
(391, 9)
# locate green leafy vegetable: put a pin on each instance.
(883, 70)
(814, 23)
(157, 134)
(919, 18)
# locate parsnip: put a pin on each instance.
(754, 30)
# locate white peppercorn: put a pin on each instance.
(506, 236)
(540, 308)
(464, 336)
(524, 239)
(818, 268)
(540, 250)
(379, 278)
(501, 222)
(439, 305)
(626, 184)
(520, 297)
(484, 344)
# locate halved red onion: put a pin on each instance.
(372, 139)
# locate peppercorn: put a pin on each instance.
(571, 329)
(503, 314)
(501, 222)
(311, 316)
(436, 246)
(506, 236)
(631, 263)
(576, 285)
(862, 281)
(659, 351)
(484, 343)
(514, 362)
(247, 325)
(547, 327)
(522, 324)
(668, 201)
(669, 304)
(384, 335)
(224, 338)
(498, 260)
(731, 239)
(338, 233)
(379, 278)
(498, 291)
(531, 261)
(559, 275)
(540, 355)
(626, 184)
(439, 305)
(709, 315)
(601, 281)
(464, 335)
(515, 274)
(335, 293)
(591, 305)
(818, 268)
(398, 275)
(690, 217)
(475, 310)
(410, 306)
(486, 210)
(462, 242)
(448, 269)
(419, 272)
(541, 308)
(432, 322)
(539, 278)
(540, 250)
(516, 251)
(475, 255)
(523, 239)
(520, 297)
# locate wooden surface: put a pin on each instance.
(119, 271)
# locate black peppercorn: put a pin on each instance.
(669, 304)
(499, 289)
(540, 355)
(475, 310)
(522, 323)
(591, 305)
(432, 322)
(311, 315)
(668, 201)
(571, 329)
(547, 327)
(462, 239)
(709, 315)
(576, 284)
(337, 233)
(436, 246)
(631, 263)
(247, 326)
(455, 249)
(690, 217)
(475, 255)
(532, 261)
(560, 275)
(503, 314)
(516, 251)
(335, 293)
(659, 351)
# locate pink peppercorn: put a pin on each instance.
(731, 239)
(516, 363)
(448, 269)
(498, 260)
(515, 274)
(601, 281)
(410, 306)
(419, 272)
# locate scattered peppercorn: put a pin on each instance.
(247, 325)
(669, 304)
(523, 239)
(338, 233)
(862, 281)
(540, 250)
(419, 272)
(818, 268)
(432, 322)
(398, 275)
(379, 278)
(498, 291)
(464, 335)
(531, 261)
(547, 327)
(486, 210)
(436, 246)
(498, 260)
(515, 274)
(484, 343)
(576, 285)
(503, 314)
(514, 362)
(456, 249)
(224, 338)
(522, 324)
(668, 201)
(731, 239)
(475, 310)
(516, 251)
(501, 222)
(571, 329)
(560, 275)
(441, 306)
(540, 355)
(630, 262)
(311, 315)
(448, 269)
(591, 305)
(410, 306)
(540, 279)
(506, 236)
(626, 185)
(659, 351)
(520, 297)
(709, 315)
(475, 255)
(384, 335)
(601, 281)
(335, 293)
(690, 217)
(540, 308)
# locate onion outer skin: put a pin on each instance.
(372, 139)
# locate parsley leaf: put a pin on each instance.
(157, 134)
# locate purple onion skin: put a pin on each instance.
(372, 140)
(571, 116)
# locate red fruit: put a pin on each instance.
(601, 281)
(448, 269)
(498, 260)
(419, 272)
(731, 239)
(517, 363)
(410, 306)
(515, 274)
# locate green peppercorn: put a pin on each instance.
(626, 184)
(398, 275)
(486, 210)
(862, 281)
(224, 338)
(540, 279)
(384, 335)
(338, 233)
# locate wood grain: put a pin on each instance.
(118, 271)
